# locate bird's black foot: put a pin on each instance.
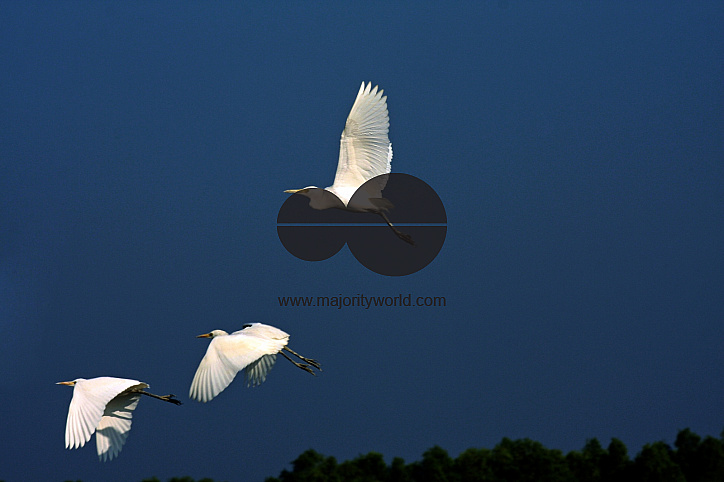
(171, 398)
(303, 366)
(306, 368)
(166, 398)
(314, 363)
(405, 237)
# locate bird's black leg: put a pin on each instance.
(300, 365)
(166, 398)
(403, 236)
(314, 363)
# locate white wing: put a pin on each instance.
(225, 357)
(115, 424)
(88, 404)
(257, 371)
(365, 150)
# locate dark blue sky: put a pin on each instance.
(144, 150)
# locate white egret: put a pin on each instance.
(104, 405)
(365, 152)
(252, 349)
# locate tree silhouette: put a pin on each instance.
(310, 466)
(655, 463)
(700, 461)
(692, 460)
(473, 465)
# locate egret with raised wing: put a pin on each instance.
(252, 349)
(365, 153)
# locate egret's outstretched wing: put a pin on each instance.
(115, 424)
(365, 150)
(224, 358)
(257, 371)
(87, 406)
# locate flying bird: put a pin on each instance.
(252, 349)
(104, 405)
(365, 152)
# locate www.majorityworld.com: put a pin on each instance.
(362, 301)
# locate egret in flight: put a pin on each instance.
(104, 405)
(365, 152)
(252, 349)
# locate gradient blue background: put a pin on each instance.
(144, 148)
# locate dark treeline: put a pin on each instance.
(692, 459)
